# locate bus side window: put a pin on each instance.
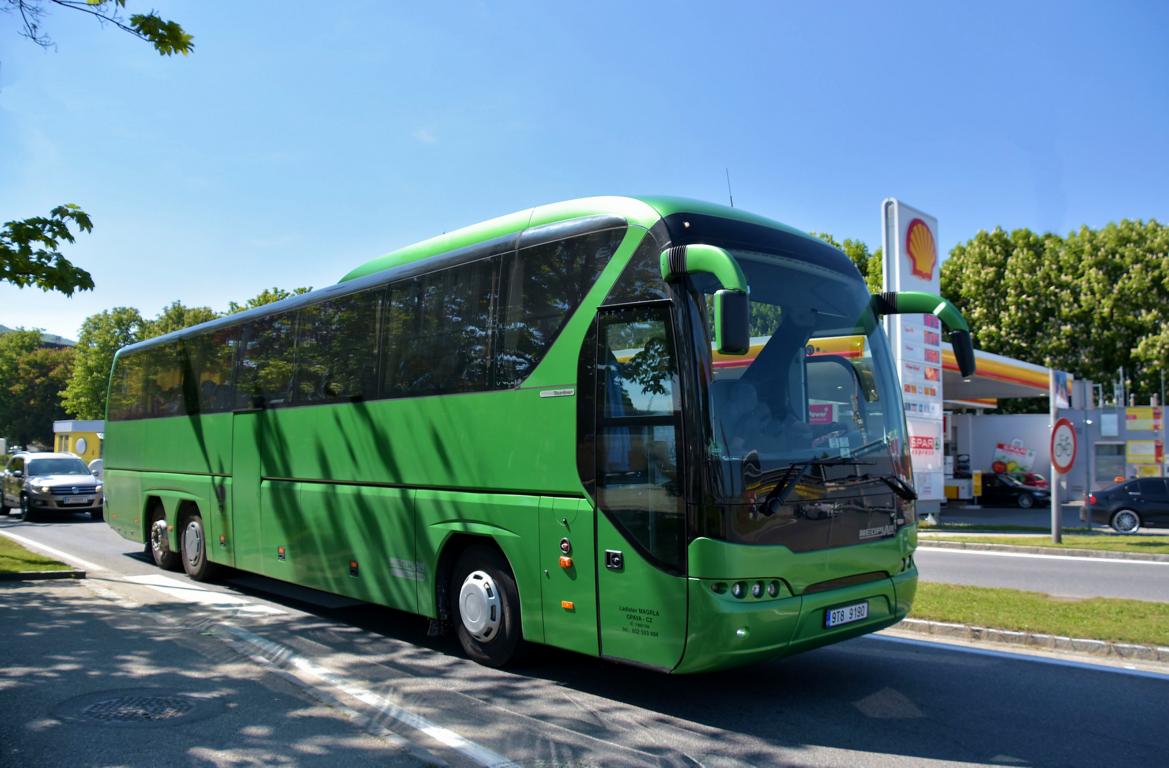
(264, 369)
(126, 399)
(638, 483)
(336, 344)
(544, 285)
(438, 328)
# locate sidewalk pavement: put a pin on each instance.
(85, 680)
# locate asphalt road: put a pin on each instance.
(875, 701)
(1054, 574)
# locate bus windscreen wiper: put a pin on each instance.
(786, 478)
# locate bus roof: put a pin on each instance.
(467, 242)
(641, 210)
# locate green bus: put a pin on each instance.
(653, 430)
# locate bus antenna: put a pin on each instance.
(729, 194)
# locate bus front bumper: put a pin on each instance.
(729, 631)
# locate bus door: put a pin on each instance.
(641, 523)
(247, 430)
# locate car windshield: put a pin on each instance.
(38, 467)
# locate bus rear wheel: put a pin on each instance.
(158, 543)
(485, 607)
(193, 545)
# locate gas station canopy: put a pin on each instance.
(996, 377)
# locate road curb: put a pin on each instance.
(1104, 648)
(925, 542)
(42, 575)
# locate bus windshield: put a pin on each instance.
(812, 414)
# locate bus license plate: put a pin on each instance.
(834, 617)
(78, 499)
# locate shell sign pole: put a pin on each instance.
(911, 263)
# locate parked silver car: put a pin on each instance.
(37, 482)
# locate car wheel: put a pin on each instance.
(193, 544)
(1026, 501)
(98, 513)
(4, 508)
(485, 606)
(157, 543)
(27, 513)
(1126, 521)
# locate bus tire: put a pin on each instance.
(158, 543)
(193, 546)
(485, 606)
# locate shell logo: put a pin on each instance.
(923, 254)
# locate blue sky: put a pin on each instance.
(300, 140)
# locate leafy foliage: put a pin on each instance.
(167, 37)
(1087, 303)
(266, 296)
(29, 256)
(868, 262)
(103, 334)
(35, 394)
(28, 248)
(13, 347)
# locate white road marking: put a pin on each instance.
(188, 592)
(51, 552)
(943, 645)
(273, 653)
(990, 553)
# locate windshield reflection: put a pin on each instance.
(808, 425)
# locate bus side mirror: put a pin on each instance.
(732, 322)
(732, 307)
(919, 302)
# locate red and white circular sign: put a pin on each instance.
(1063, 446)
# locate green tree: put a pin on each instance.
(868, 262)
(266, 296)
(175, 317)
(28, 247)
(29, 255)
(13, 347)
(102, 335)
(36, 394)
(1088, 303)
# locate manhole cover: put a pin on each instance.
(138, 708)
(128, 709)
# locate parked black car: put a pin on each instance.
(1132, 504)
(1003, 489)
(33, 482)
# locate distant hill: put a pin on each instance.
(47, 339)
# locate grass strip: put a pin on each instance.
(16, 559)
(1148, 545)
(1097, 618)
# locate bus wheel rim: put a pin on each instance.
(158, 536)
(193, 543)
(479, 606)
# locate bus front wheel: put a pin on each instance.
(485, 604)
